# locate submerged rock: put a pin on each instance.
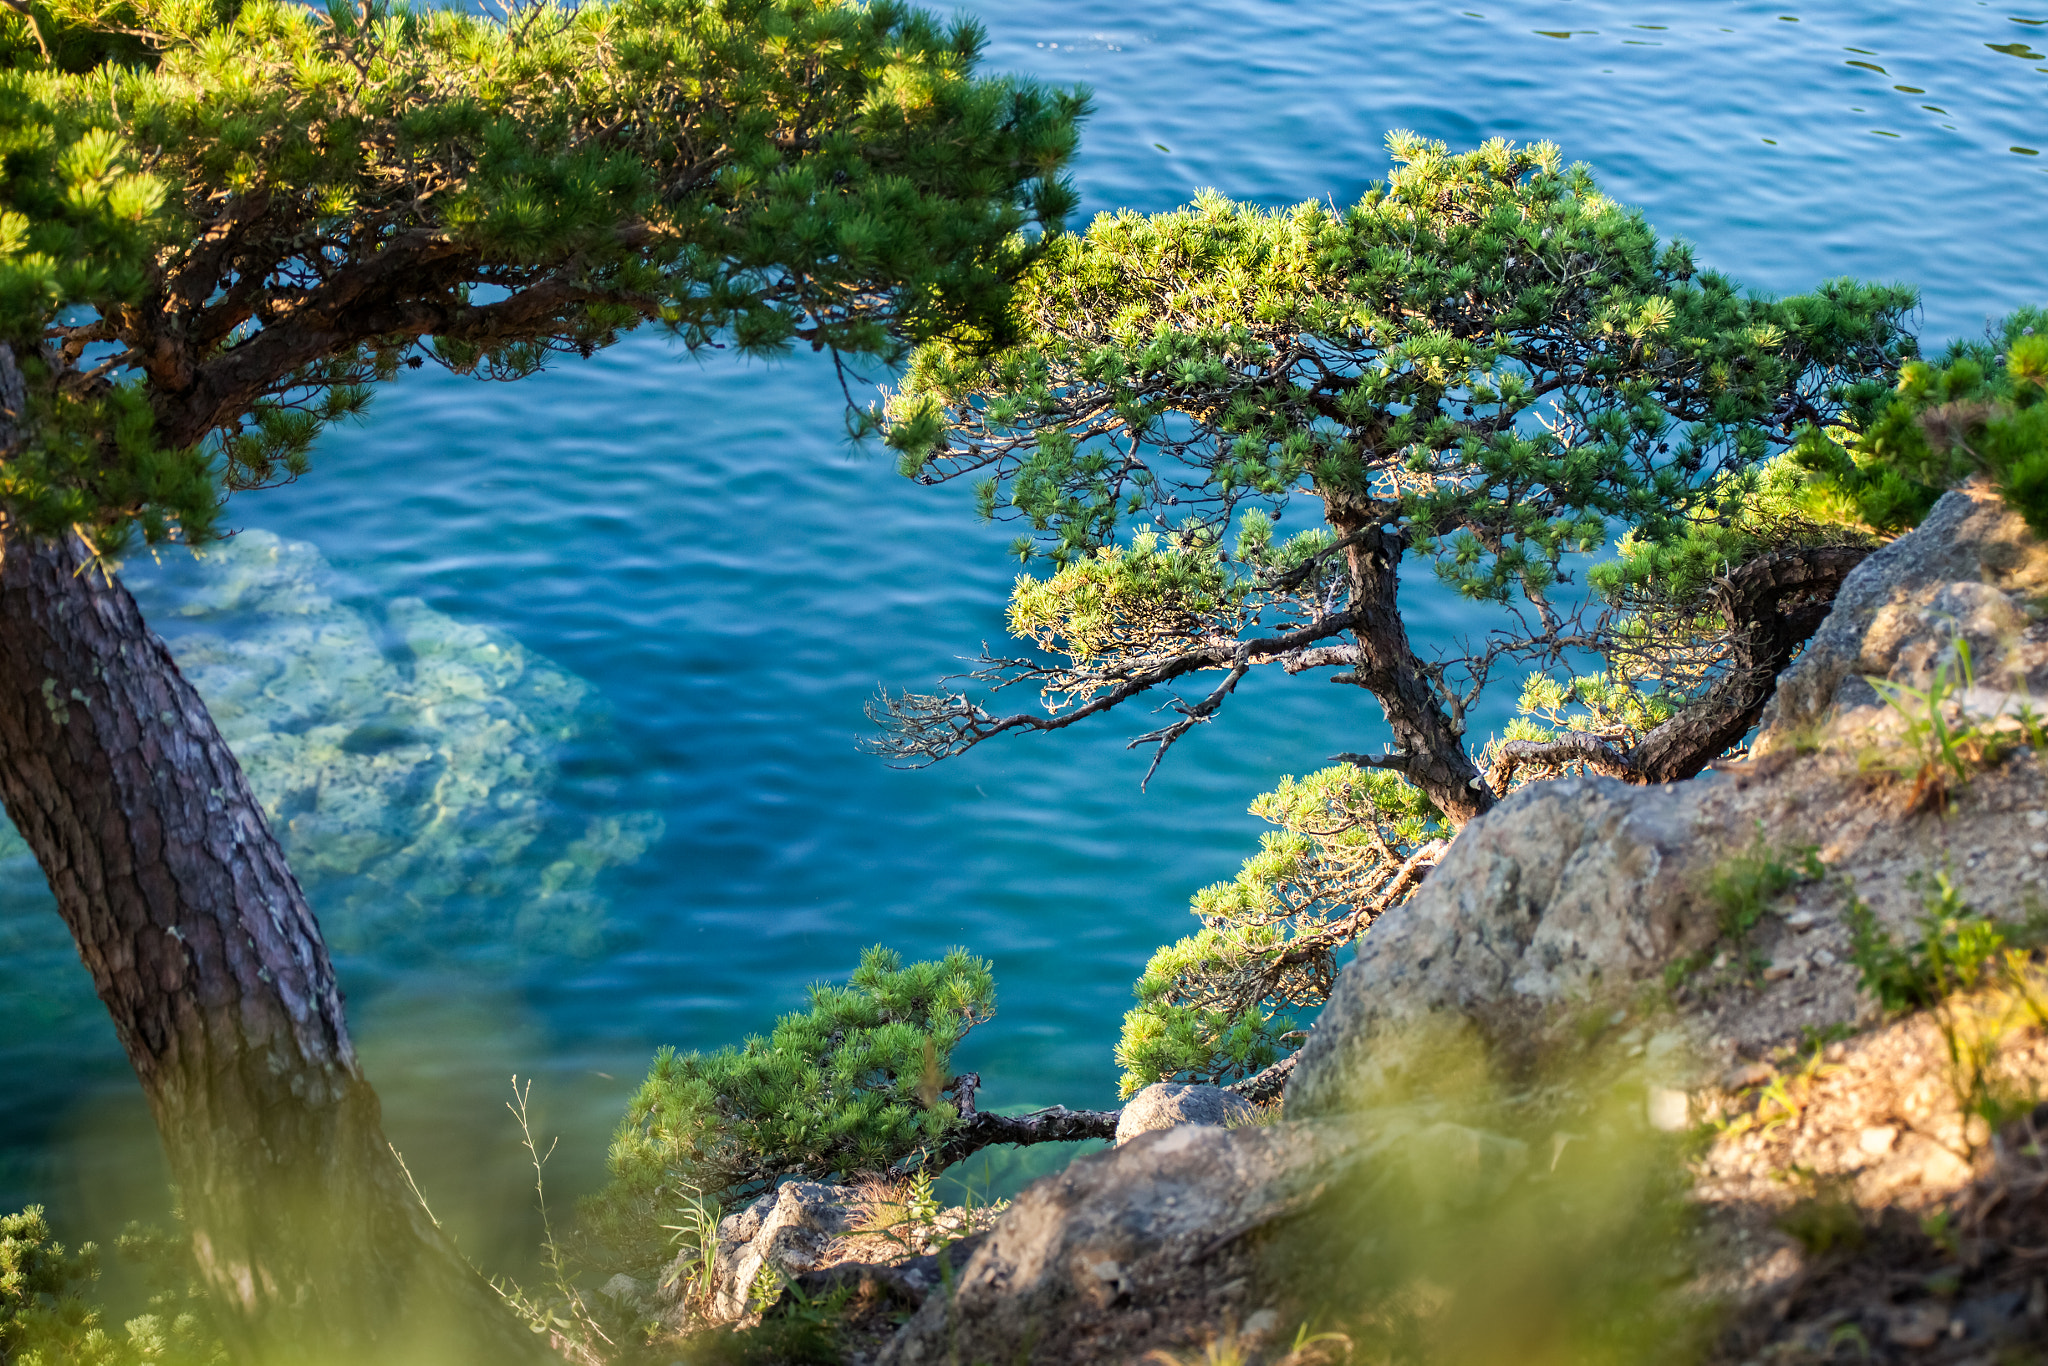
(404, 764)
(1166, 1104)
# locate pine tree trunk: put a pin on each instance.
(208, 958)
(1431, 750)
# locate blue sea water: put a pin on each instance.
(691, 536)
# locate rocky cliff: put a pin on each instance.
(1707, 958)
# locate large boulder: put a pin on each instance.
(1169, 1104)
(1569, 891)
(1971, 572)
(1148, 1246)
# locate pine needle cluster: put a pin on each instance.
(1982, 409)
(48, 1318)
(1214, 1006)
(222, 224)
(847, 1088)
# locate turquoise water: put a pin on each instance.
(613, 626)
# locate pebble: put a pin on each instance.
(1822, 958)
(1877, 1141)
(1778, 972)
(1668, 1110)
(1748, 1074)
(1921, 1327)
(1801, 921)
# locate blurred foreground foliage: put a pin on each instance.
(1489, 1229)
(48, 1319)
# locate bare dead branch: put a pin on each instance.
(923, 728)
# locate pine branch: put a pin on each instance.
(923, 728)
(977, 1130)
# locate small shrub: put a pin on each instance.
(851, 1086)
(696, 1234)
(1979, 410)
(1942, 745)
(1950, 955)
(46, 1319)
(1487, 1226)
(1740, 889)
(1826, 1219)
(1978, 987)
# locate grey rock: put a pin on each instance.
(786, 1231)
(1970, 572)
(1138, 1248)
(899, 1285)
(1165, 1104)
(1567, 890)
(624, 1290)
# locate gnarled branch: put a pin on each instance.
(1773, 605)
(977, 1130)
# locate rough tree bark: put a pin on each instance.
(1772, 606)
(977, 1129)
(1428, 750)
(208, 958)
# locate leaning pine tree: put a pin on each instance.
(221, 225)
(1484, 364)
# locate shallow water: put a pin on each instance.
(690, 539)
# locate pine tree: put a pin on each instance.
(221, 225)
(1484, 364)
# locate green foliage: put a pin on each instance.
(797, 1332)
(1740, 889)
(1484, 362)
(695, 1231)
(1977, 980)
(1212, 1005)
(46, 1319)
(1476, 1226)
(1978, 410)
(1941, 744)
(1122, 602)
(1392, 354)
(1951, 954)
(1779, 501)
(334, 192)
(76, 221)
(851, 1086)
